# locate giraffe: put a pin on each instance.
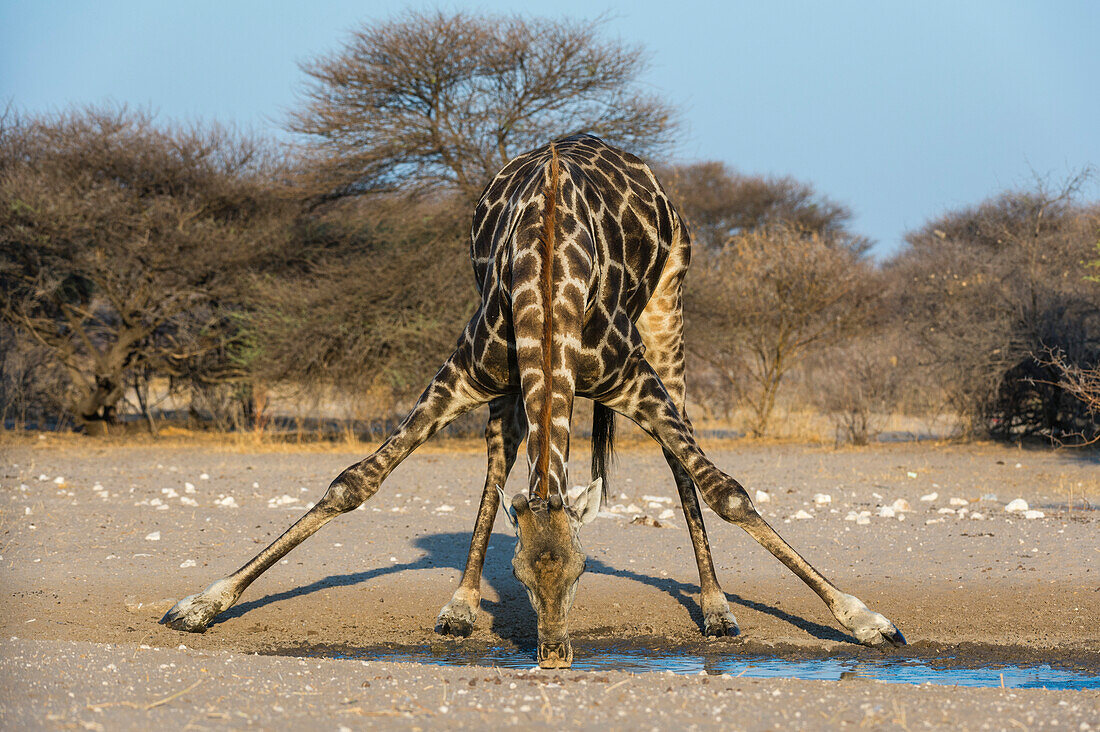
(579, 258)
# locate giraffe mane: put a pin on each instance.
(549, 230)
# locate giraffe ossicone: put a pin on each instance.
(579, 258)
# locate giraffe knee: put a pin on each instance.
(732, 503)
(350, 489)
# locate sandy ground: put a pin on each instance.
(96, 542)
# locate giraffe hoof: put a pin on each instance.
(720, 624)
(457, 618)
(191, 614)
(195, 612)
(869, 628)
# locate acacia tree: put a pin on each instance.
(759, 305)
(721, 203)
(429, 100)
(988, 291)
(121, 243)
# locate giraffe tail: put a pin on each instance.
(603, 442)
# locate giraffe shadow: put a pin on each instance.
(512, 615)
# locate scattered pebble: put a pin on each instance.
(187, 563)
(667, 514)
(656, 499)
(901, 505)
(59, 480)
(822, 498)
(227, 501)
(928, 497)
(632, 508)
(946, 510)
(762, 497)
(153, 536)
(1030, 514)
(959, 502)
(283, 500)
(204, 476)
(1018, 504)
(444, 508)
(185, 500)
(886, 512)
(911, 474)
(802, 515)
(188, 487)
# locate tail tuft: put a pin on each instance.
(603, 442)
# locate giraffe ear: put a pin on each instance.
(587, 503)
(506, 507)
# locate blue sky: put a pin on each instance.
(899, 110)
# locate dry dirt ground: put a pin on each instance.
(97, 541)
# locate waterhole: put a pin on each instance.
(891, 669)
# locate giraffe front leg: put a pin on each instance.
(642, 397)
(450, 394)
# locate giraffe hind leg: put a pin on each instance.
(504, 432)
(450, 394)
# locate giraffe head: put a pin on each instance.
(549, 562)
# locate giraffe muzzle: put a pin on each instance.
(556, 655)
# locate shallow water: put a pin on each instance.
(637, 659)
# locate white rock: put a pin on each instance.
(901, 505)
(632, 508)
(187, 563)
(802, 515)
(188, 487)
(934, 521)
(822, 498)
(886, 512)
(928, 497)
(255, 484)
(617, 508)
(154, 536)
(654, 504)
(959, 502)
(656, 499)
(1017, 505)
(169, 493)
(283, 500)
(667, 514)
(946, 510)
(852, 516)
(204, 476)
(43, 477)
(1033, 514)
(27, 511)
(227, 501)
(156, 502)
(976, 516)
(444, 508)
(59, 480)
(187, 501)
(762, 497)
(901, 517)
(911, 474)
(863, 520)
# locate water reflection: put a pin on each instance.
(638, 659)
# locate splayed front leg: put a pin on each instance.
(643, 398)
(450, 394)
